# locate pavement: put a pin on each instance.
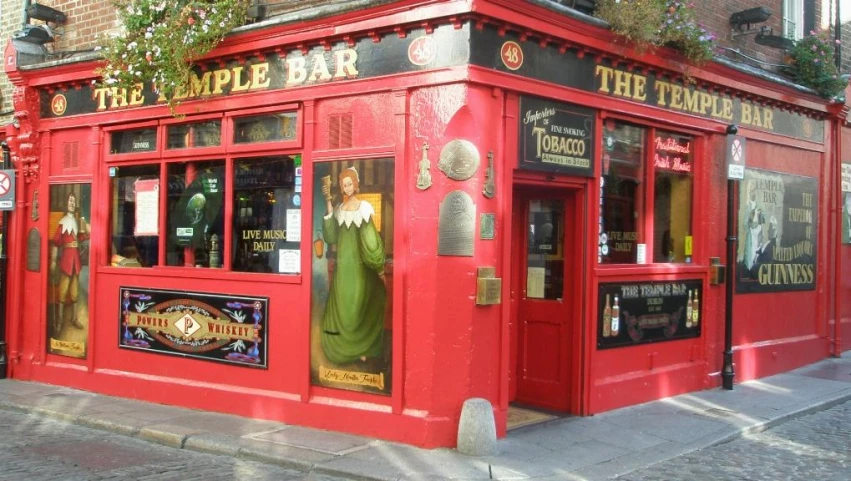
(598, 447)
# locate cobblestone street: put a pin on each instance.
(816, 447)
(39, 449)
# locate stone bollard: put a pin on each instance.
(477, 428)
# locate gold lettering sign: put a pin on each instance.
(633, 86)
(297, 70)
(369, 379)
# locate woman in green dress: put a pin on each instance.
(353, 322)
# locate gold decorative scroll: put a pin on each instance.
(375, 380)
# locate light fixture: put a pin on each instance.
(774, 41)
(45, 13)
(256, 11)
(36, 34)
(749, 16)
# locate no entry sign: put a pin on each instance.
(7, 189)
(735, 157)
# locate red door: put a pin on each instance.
(545, 264)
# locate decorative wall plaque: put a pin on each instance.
(34, 213)
(459, 159)
(33, 250)
(424, 176)
(456, 225)
(489, 190)
(487, 226)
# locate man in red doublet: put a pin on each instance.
(66, 250)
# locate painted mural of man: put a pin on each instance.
(66, 263)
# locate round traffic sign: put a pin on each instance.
(5, 183)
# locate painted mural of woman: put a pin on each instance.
(353, 322)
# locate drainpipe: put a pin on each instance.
(837, 273)
(26, 15)
(728, 371)
(837, 141)
(4, 365)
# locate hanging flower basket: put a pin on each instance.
(652, 23)
(812, 64)
(162, 39)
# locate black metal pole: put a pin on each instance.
(4, 364)
(728, 373)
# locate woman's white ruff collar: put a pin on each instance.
(356, 217)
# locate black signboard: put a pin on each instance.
(224, 328)
(644, 312)
(778, 229)
(556, 137)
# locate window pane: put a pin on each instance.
(135, 216)
(266, 216)
(545, 259)
(265, 128)
(195, 214)
(132, 141)
(673, 160)
(199, 134)
(621, 193)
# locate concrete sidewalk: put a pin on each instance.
(598, 447)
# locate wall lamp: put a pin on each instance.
(35, 34)
(45, 13)
(774, 41)
(741, 21)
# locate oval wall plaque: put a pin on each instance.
(459, 159)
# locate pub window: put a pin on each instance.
(175, 207)
(267, 216)
(198, 134)
(265, 128)
(195, 210)
(133, 141)
(135, 216)
(646, 195)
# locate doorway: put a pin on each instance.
(546, 296)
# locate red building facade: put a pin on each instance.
(360, 221)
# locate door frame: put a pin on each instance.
(575, 237)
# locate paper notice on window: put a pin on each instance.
(293, 225)
(147, 207)
(289, 261)
(641, 253)
(535, 282)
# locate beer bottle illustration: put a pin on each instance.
(607, 318)
(695, 310)
(689, 310)
(616, 313)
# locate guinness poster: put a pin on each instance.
(224, 328)
(778, 225)
(556, 137)
(640, 313)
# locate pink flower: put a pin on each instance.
(191, 21)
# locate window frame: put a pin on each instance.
(645, 200)
(227, 152)
(793, 19)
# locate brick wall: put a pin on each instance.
(715, 15)
(11, 19)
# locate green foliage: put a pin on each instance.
(161, 40)
(812, 64)
(651, 23)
